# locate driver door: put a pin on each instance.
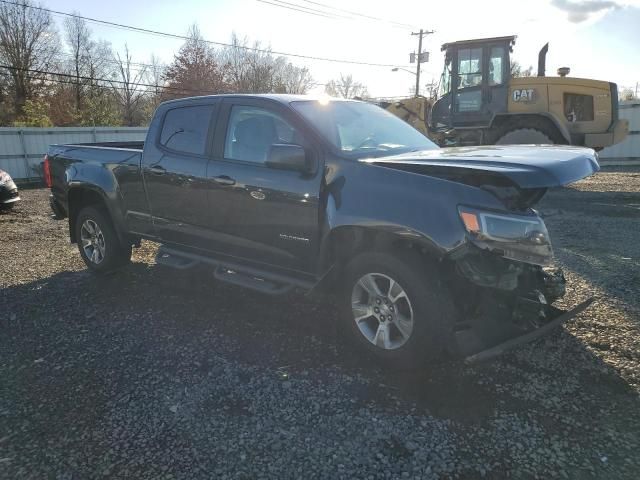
(481, 81)
(468, 79)
(263, 215)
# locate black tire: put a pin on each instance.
(113, 254)
(430, 302)
(522, 136)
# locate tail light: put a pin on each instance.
(47, 172)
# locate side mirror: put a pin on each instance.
(289, 157)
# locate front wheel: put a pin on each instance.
(99, 245)
(397, 309)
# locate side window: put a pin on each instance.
(496, 66)
(252, 131)
(185, 129)
(577, 107)
(469, 67)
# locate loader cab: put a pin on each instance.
(474, 84)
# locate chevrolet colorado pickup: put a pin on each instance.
(430, 252)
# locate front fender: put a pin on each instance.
(418, 208)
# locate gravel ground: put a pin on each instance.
(151, 375)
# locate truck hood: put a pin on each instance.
(522, 166)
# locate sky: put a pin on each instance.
(597, 39)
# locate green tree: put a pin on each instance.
(35, 113)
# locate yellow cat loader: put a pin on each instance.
(481, 104)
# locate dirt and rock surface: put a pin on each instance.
(151, 375)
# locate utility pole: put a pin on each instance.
(420, 34)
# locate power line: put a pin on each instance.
(116, 62)
(329, 14)
(310, 11)
(369, 17)
(184, 37)
(106, 80)
(111, 81)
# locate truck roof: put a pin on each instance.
(463, 43)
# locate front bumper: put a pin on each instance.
(503, 303)
(616, 133)
(560, 318)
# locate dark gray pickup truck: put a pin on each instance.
(428, 251)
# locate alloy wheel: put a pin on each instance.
(382, 311)
(93, 242)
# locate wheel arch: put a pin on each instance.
(345, 242)
(80, 196)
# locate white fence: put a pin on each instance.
(626, 152)
(22, 149)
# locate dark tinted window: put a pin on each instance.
(185, 129)
(252, 131)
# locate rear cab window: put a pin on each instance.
(186, 129)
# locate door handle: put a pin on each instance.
(224, 180)
(158, 170)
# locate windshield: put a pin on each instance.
(362, 129)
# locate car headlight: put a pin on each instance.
(522, 238)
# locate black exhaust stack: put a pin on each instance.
(542, 60)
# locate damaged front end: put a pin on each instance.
(504, 302)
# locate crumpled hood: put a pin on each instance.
(527, 166)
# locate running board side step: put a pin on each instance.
(256, 279)
(249, 281)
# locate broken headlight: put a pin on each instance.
(523, 238)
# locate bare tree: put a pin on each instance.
(78, 38)
(28, 46)
(516, 70)
(90, 62)
(127, 89)
(195, 70)
(293, 79)
(254, 69)
(628, 95)
(346, 87)
(155, 75)
(249, 69)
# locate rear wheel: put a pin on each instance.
(396, 308)
(98, 243)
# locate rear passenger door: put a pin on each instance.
(263, 215)
(174, 166)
